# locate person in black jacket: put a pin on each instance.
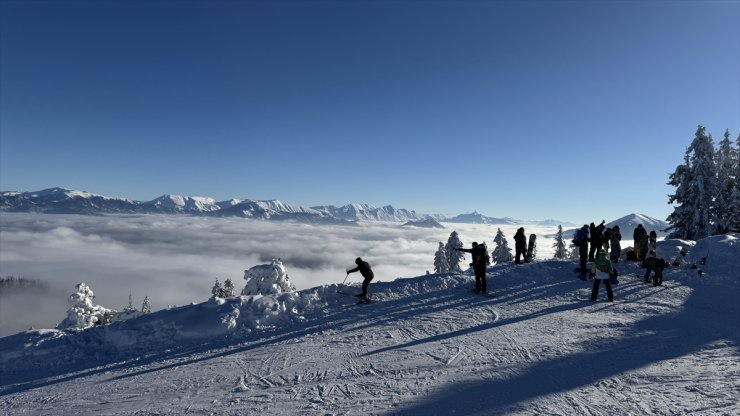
(581, 240)
(479, 265)
(520, 245)
(364, 268)
(657, 264)
(597, 235)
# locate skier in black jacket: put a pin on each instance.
(520, 245)
(479, 265)
(364, 268)
(597, 235)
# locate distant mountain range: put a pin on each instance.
(65, 201)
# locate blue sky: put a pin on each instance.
(536, 109)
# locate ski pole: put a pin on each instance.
(342, 285)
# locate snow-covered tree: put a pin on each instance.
(703, 184)
(145, 306)
(725, 161)
(267, 279)
(502, 252)
(454, 257)
(734, 214)
(228, 290)
(681, 218)
(561, 251)
(217, 290)
(440, 260)
(130, 307)
(84, 313)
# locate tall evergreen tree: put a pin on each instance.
(680, 218)
(440, 260)
(725, 161)
(734, 214)
(561, 251)
(501, 253)
(454, 257)
(703, 184)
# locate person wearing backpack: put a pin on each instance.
(641, 242)
(480, 260)
(602, 270)
(367, 273)
(520, 245)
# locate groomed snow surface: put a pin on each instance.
(428, 346)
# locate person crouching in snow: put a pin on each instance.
(602, 269)
(364, 268)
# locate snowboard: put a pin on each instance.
(531, 246)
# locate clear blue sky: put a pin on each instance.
(571, 110)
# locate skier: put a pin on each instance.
(480, 257)
(581, 240)
(616, 245)
(602, 270)
(364, 268)
(520, 245)
(656, 263)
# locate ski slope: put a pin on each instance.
(429, 346)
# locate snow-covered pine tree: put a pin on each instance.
(228, 290)
(501, 253)
(454, 257)
(735, 204)
(145, 306)
(726, 158)
(83, 313)
(217, 291)
(130, 307)
(681, 218)
(561, 251)
(703, 184)
(440, 260)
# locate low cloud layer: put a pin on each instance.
(175, 259)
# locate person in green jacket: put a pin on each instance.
(602, 269)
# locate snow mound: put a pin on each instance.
(267, 279)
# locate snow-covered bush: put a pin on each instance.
(83, 313)
(267, 279)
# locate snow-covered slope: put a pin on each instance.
(628, 223)
(427, 347)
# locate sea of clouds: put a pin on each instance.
(175, 259)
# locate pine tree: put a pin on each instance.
(440, 260)
(228, 288)
(145, 306)
(130, 307)
(726, 158)
(454, 257)
(734, 215)
(703, 185)
(561, 252)
(217, 291)
(502, 252)
(680, 218)
(84, 313)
